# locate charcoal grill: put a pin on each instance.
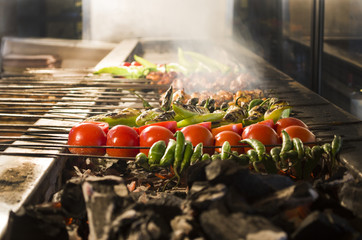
(39, 107)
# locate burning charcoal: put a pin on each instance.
(324, 225)
(351, 195)
(103, 197)
(196, 172)
(300, 194)
(202, 194)
(217, 225)
(37, 222)
(72, 198)
(150, 220)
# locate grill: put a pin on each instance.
(38, 109)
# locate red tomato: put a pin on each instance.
(87, 134)
(103, 125)
(300, 132)
(235, 127)
(286, 122)
(134, 63)
(232, 137)
(196, 134)
(122, 136)
(268, 122)
(126, 64)
(263, 133)
(152, 134)
(170, 125)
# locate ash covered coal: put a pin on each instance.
(219, 200)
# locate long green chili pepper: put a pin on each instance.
(179, 152)
(327, 148)
(243, 159)
(336, 145)
(169, 155)
(188, 151)
(312, 157)
(253, 157)
(275, 154)
(225, 150)
(270, 165)
(196, 155)
(216, 156)
(156, 152)
(187, 111)
(142, 160)
(207, 117)
(307, 152)
(287, 145)
(205, 157)
(144, 62)
(257, 145)
(126, 116)
(299, 147)
(317, 152)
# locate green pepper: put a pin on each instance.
(327, 148)
(254, 103)
(148, 116)
(257, 145)
(187, 155)
(317, 152)
(169, 155)
(312, 157)
(225, 150)
(186, 111)
(156, 152)
(126, 116)
(234, 114)
(142, 160)
(179, 152)
(167, 100)
(299, 147)
(207, 117)
(133, 72)
(198, 152)
(275, 114)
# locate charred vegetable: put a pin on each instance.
(126, 116)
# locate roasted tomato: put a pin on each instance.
(286, 122)
(196, 134)
(103, 125)
(152, 134)
(268, 122)
(87, 134)
(232, 137)
(170, 125)
(122, 136)
(261, 132)
(235, 127)
(300, 132)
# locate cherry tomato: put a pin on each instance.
(134, 63)
(103, 125)
(170, 125)
(268, 122)
(122, 136)
(126, 64)
(235, 127)
(286, 122)
(261, 132)
(196, 134)
(232, 137)
(300, 132)
(87, 134)
(152, 134)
